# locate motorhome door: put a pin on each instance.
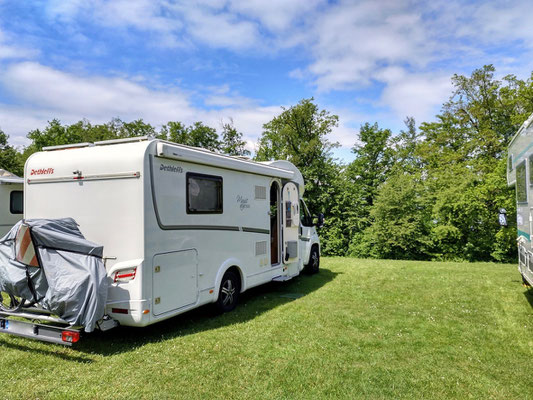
(291, 222)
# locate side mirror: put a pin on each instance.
(320, 220)
(502, 217)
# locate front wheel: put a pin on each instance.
(228, 295)
(314, 261)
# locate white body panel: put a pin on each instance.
(520, 158)
(132, 199)
(9, 216)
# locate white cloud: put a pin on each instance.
(221, 30)
(228, 24)
(394, 46)
(10, 50)
(356, 40)
(416, 95)
(276, 15)
(90, 96)
(42, 93)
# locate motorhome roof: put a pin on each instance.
(524, 126)
(182, 152)
(8, 177)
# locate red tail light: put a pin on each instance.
(69, 336)
(119, 310)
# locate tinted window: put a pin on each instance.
(305, 217)
(521, 183)
(510, 163)
(16, 201)
(530, 166)
(204, 194)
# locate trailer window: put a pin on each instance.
(204, 194)
(16, 202)
(521, 183)
(530, 166)
(510, 163)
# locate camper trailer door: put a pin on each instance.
(291, 222)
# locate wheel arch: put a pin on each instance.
(234, 264)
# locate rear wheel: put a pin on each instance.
(230, 288)
(314, 261)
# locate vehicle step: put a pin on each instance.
(282, 278)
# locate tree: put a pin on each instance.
(373, 160)
(196, 135)
(400, 221)
(463, 159)
(136, 128)
(232, 142)
(9, 158)
(300, 135)
(404, 147)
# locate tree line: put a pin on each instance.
(429, 192)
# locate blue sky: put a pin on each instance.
(212, 60)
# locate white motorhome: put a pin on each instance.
(520, 175)
(11, 200)
(181, 226)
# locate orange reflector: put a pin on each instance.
(211, 291)
(146, 311)
(119, 310)
(70, 337)
(25, 252)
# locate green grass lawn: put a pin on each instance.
(358, 329)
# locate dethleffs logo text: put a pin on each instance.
(171, 168)
(42, 171)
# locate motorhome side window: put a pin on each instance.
(510, 163)
(521, 183)
(16, 202)
(530, 166)
(204, 194)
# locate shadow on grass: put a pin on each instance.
(529, 296)
(52, 351)
(252, 303)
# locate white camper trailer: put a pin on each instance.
(11, 200)
(520, 175)
(181, 226)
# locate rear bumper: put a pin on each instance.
(130, 312)
(45, 333)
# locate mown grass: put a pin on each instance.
(358, 329)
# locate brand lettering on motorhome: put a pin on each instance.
(42, 171)
(171, 168)
(243, 202)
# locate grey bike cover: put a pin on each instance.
(71, 281)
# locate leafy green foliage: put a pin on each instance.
(9, 157)
(232, 142)
(427, 192)
(400, 221)
(196, 135)
(300, 135)
(448, 181)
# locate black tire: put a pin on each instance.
(314, 261)
(228, 295)
(10, 303)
